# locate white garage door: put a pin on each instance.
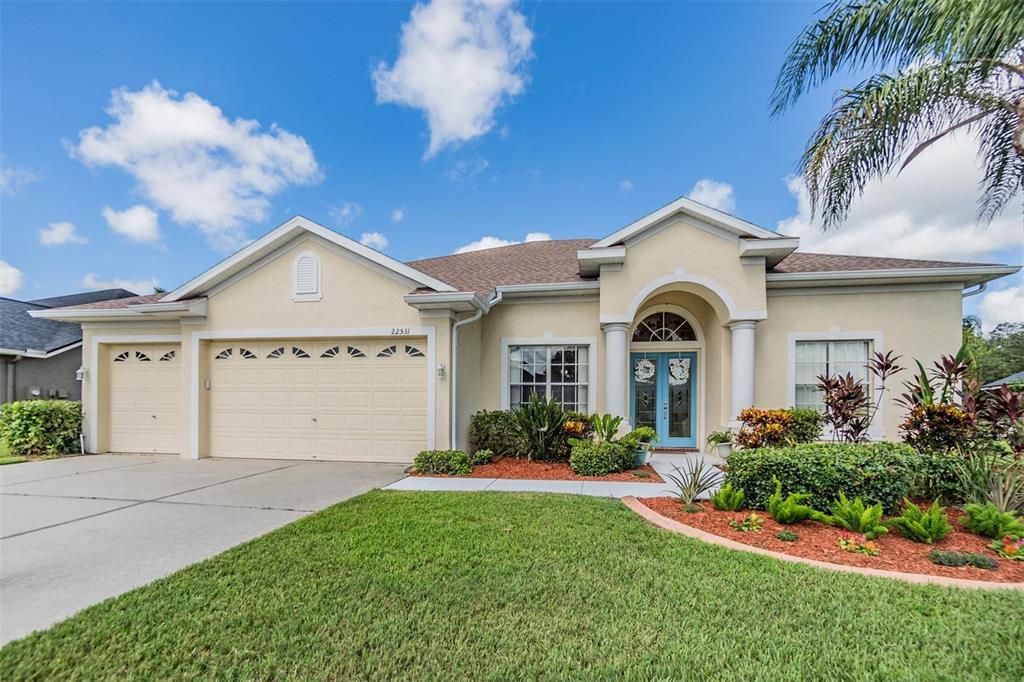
(145, 398)
(338, 399)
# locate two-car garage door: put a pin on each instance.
(336, 399)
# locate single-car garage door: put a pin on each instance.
(145, 398)
(337, 399)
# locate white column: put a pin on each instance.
(616, 351)
(742, 365)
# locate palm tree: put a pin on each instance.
(953, 64)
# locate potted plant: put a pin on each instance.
(642, 440)
(721, 443)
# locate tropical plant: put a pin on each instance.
(695, 478)
(606, 426)
(957, 559)
(751, 523)
(1010, 547)
(762, 428)
(939, 426)
(920, 526)
(728, 498)
(718, 437)
(790, 509)
(539, 425)
(856, 542)
(787, 536)
(989, 521)
(578, 425)
(641, 436)
(856, 517)
(990, 478)
(848, 409)
(955, 65)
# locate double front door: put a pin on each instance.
(663, 395)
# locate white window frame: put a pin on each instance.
(318, 294)
(506, 367)
(875, 345)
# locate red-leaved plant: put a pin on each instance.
(848, 408)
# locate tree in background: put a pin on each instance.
(998, 355)
(952, 64)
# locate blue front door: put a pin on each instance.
(663, 395)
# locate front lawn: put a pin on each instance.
(525, 586)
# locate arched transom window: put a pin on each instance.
(664, 326)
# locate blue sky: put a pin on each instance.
(575, 119)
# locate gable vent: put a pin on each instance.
(307, 276)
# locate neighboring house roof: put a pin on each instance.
(83, 298)
(1015, 378)
(23, 334)
(116, 303)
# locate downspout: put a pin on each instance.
(453, 383)
(981, 288)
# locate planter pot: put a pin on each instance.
(643, 456)
(723, 450)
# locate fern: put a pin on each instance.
(928, 527)
(728, 498)
(857, 518)
(987, 520)
(789, 509)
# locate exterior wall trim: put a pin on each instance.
(194, 386)
(92, 418)
(590, 341)
(877, 430)
(682, 277)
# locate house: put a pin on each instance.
(39, 357)
(1015, 379)
(306, 344)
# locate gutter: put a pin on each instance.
(980, 288)
(453, 383)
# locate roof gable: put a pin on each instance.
(280, 236)
(19, 331)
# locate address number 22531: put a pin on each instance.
(400, 331)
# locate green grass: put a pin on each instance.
(519, 586)
(12, 459)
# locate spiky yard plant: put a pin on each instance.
(949, 65)
(728, 498)
(789, 509)
(856, 517)
(696, 477)
(922, 526)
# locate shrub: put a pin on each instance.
(696, 477)
(788, 510)
(41, 427)
(928, 527)
(787, 536)
(762, 428)
(578, 425)
(590, 458)
(606, 426)
(728, 498)
(494, 430)
(1009, 547)
(453, 462)
(804, 424)
(481, 457)
(958, 559)
(877, 472)
(988, 520)
(857, 517)
(939, 427)
(539, 425)
(937, 477)
(993, 479)
(751, 523)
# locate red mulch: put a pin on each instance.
(511, 467)
(820, 542)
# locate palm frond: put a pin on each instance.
(1003, 176)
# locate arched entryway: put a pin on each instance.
(666, 365)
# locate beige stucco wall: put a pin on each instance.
(914, 324)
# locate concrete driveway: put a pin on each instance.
(76, 531)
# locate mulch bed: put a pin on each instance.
(819, 541)
(511, 467)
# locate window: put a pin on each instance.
(168, 356)
(387, 352)
(247, 354)
(331, 352)
(355, 352)
(122, 357)
(223, 355)
(142, 357)
(664, 326)
(299, 353)
(276, 353)
(814, 358)
(306, 277)
(559, 372)
(413, 352)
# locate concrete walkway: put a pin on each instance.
(663, 464)
(76, 531)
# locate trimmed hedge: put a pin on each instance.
(590, 458)
(494, 430)
(41, 427)
(938, 478)
(876, 472)
(453, 462)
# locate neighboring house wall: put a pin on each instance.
(51, 374)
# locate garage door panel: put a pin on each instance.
(144, 398)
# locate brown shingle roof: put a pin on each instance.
(545, 262)
(828, 262)
(116, 303)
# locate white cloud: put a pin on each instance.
(714, 194)
(626, 185)
(375, 240)
(927, 211)
(1003, 305)
(466, 170)
(138, 223)
(189, 159)
(397, 215)
(140, 286)
(56, 234)
(11, 279)
(493, 242)
(459, 61)
(13, 178)
(346, 214)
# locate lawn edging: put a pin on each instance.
(674, 526)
